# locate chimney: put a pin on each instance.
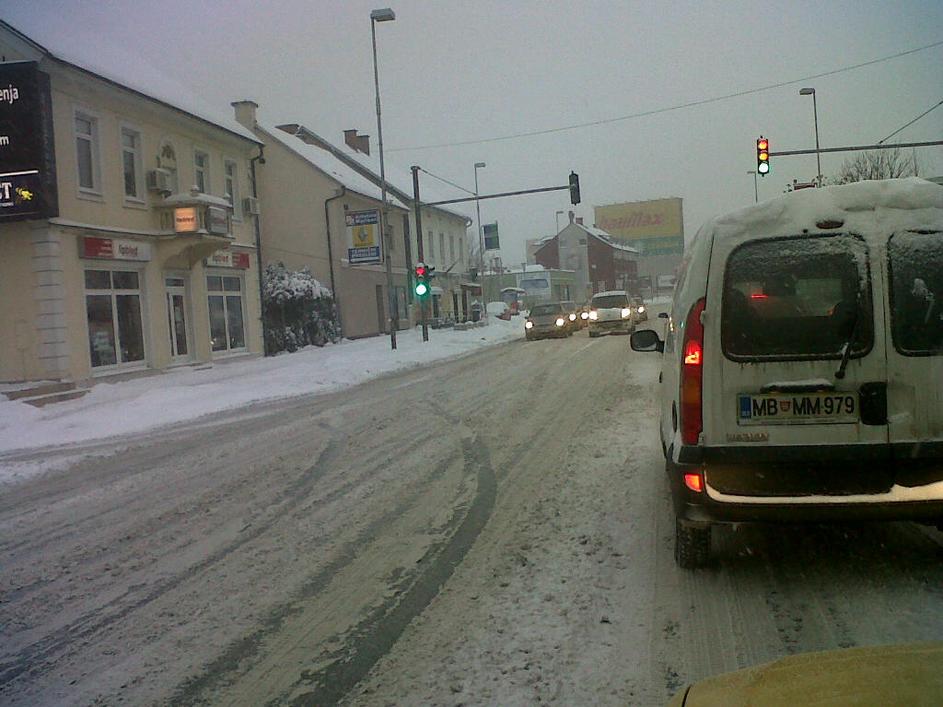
(350, 139)
(579, 220)
(572, 216)
(363, 144)
(245, 112)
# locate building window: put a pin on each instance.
(131, 164)
(201, 167)
(442, 248)
(86, 151)
(113, 309)
(431, 248)
(232, 188)
(167, 160)
(227, 320)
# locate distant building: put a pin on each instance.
(598, 261)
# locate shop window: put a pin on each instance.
(87, 152)
(227, 313)
(232, 188)
(113, 311)
(131, 164)
(201, 171)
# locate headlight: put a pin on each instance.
(626, 312)
(584, 315)
(572, 317)
(594, 315)
(560, 321)
(528, 325)
(641, 309)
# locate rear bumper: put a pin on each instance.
(891, 490)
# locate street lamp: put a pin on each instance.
(384, 15)
(756, 194)
(556, 217)
(815, 113)
(481, 237)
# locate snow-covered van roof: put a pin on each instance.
(116, 65)
(610, 292)
(885, 206)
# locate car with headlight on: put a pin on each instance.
(640, 309)
(572, 315)
(611, 311)
(548, 319)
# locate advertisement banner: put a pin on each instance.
(227, 259)
(653, 227)
(363, 237)
(114, 249)
(27, 156)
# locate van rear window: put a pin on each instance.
(797, 298)
(915, 262)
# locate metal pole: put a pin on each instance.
(481, 241)
(756, 193)
(556, 218)
(392, 320)
(818, 155)
(419, 249)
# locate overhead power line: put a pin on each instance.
(443, 179)
(668, 109)
(911, 122)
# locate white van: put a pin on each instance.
(802, 373)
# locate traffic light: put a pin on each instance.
(421, 287)
(762, 156)
(574, 188)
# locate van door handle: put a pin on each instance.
(659, 376)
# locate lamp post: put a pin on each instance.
(556, 218)
(384, 15)
(481, 237)
(815, 114)
(756, 193)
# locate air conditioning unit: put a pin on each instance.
(250, 205)
(158, 180)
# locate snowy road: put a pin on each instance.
(490, 530)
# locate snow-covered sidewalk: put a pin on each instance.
(143, 404)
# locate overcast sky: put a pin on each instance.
(472, 70)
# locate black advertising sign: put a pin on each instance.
(27, 155)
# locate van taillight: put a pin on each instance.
(692, 375)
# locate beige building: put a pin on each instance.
(309, 196)
(151, 259)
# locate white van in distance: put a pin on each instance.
(802, 372)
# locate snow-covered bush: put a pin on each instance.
(298, 310)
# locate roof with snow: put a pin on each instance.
(866, 207)
(116, 65)
(329, 164)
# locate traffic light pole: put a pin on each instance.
(420, 257)
(854, 148)
(565, 187)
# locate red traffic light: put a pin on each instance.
(421, 270)
(762, 144)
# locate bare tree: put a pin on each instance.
(877, 164)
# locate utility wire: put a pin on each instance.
(443, 179)
(668, 109)
(911, 122)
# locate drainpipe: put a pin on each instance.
(330, 253)
(258, 240)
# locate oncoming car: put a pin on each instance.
(611, 311)
(547, 320)
(802, 370)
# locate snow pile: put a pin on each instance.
(142, 404)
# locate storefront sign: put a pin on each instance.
(113, 249)
(227, 259)
(27, 155)
(363, 237)
(186, 220)
(217, 220)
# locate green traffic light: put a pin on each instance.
(421, 289)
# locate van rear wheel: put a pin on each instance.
(692, 544)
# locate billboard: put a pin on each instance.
(653, 227)
(363, 237)
(27, 156)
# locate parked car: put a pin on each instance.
(547, 320)
(802, 363)
(611, 311)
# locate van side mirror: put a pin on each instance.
(663, 315)
(646, 340)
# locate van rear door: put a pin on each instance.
(780, 314)
(915, 343)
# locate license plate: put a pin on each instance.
(783, 408)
